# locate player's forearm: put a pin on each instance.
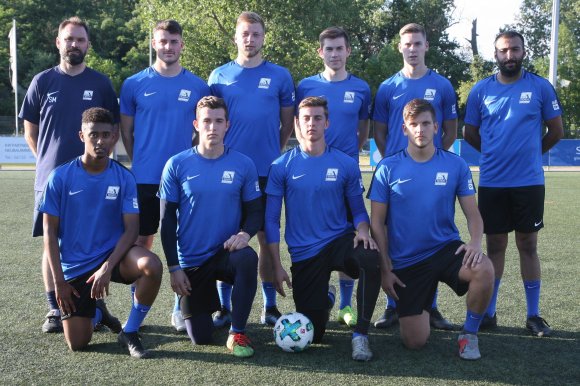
(286, 125)
(31, 136)
(52, 249)
(253, 216)
(126, 241)
(449, 133)
(362, 133)
(472, 136)
(127, 134)
(380, 136)
(554, 135)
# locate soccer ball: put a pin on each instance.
(293, 332)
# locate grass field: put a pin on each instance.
(510, 355)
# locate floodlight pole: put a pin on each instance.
(554, 42)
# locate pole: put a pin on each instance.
(554, 42)
(14, 68)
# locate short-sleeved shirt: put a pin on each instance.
(55, 101)
(421, 202)
(90, 208)
(209, 194)
(510, 119)
(315, 191)
(394, 93)
(349, 101)
(163, 109)
(254, 97)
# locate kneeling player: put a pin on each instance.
(91, 223)
(316, 181)
(412, 215)
(210, 208)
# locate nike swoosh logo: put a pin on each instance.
(399, 181)
(538, 223)
(150, 93)
(50, 93)
(230, 83)
(398, 96)
(297, 177)
(71, 193)
(192, 177)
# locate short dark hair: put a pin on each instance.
(97, 115)
(252, 18)
(333, 33)
(416, 107)
(212, 103)
(75, 20)
(413, 28)
(314, 101)
(169, 25)
(509, 35)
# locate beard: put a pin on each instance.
(74, 57)
(513, 71)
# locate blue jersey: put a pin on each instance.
(254, 97)
(394, 93)
(55, 101)
(510, 120)
(349, 101)
(90, 209)
(315, 191)
(421, 202)
(163, 109)
(210, 193)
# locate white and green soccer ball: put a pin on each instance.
(293, 332)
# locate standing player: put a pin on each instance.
(319, 185)
(157, 111)
(349, 100)
(52, 112)
(211, 207)
(412, 215)
(260, 97)
(91, 224)
(504, 120)
(415, 80)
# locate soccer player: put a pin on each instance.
(157, 111)
(349, 100)
(316, 182)
(504, 120)
(211, 206)
(415, 80)
(91, 223)
(260, 98)
(412, 217)
(52, 112)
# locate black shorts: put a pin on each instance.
(37, 228)
(148, 209)
(506, 209)
(310, 277)
(203, 296)
(85, 305)
(421, 280)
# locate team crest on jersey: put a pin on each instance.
(441, 178)
(555, 105)
(228, 177)
(112, 192)
(135, 203)
(331, 174)
(348, 97)
(184, 95)
(430, 94)
(88, 95)
(264, 83)
(526, 97)
(51, 97)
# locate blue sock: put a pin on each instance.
(98, 317)
(269, 294)
(136, 317)
(493, 302)
(225, 294)
(51, 300)
(346, 289)
(472, 322)
(532, 288)
(236, 330)
(434, 304)
(176, 305)
(391, 303)
(355, 334)
(133, 288)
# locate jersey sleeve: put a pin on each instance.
(111, 103)
(465, 187)
(251, 188)
(169, 188)
(51, 198)
(212, 82)
(365, 108)
(472, 112)
(128, 106)
(381, 110)
(287, 93)
(30, 110)
(130, 202)
(300, 92)
(551, 107)
(379, 189)
(354, 183)
(449, 102)
(275, 184)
